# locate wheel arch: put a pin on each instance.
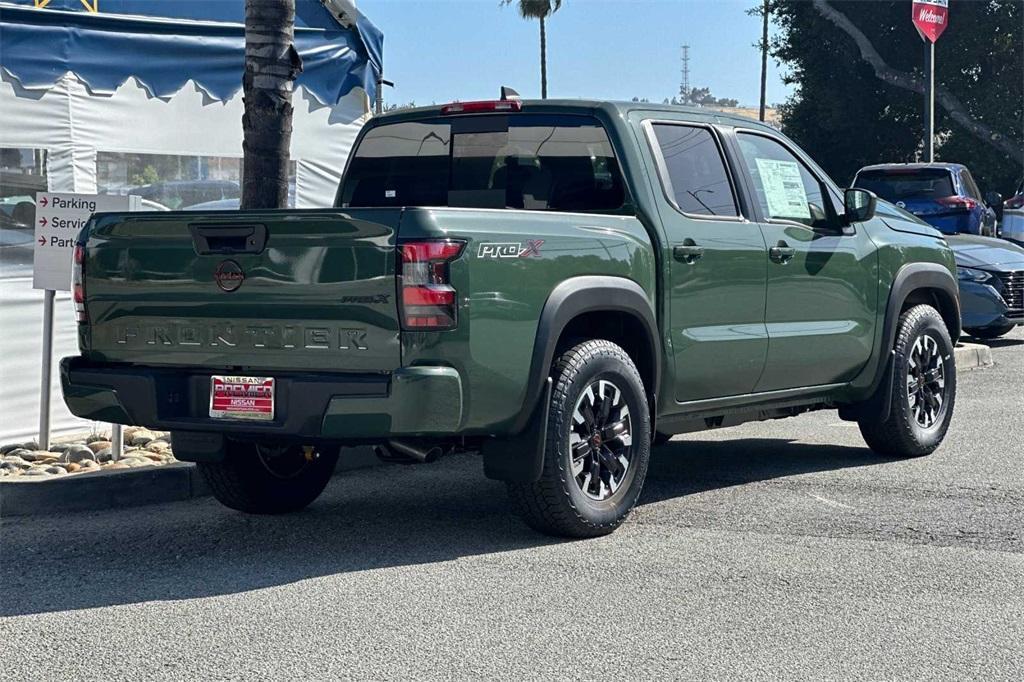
(616, 309)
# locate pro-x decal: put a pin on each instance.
(510, 249)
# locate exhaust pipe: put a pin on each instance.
(396, 450)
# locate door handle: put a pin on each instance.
(689, 252)
(781, 252)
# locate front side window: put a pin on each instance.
(534, 162)
(697, 178)
(784, 187)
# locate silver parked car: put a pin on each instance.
(1012, 226)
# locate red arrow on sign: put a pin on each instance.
(44, 201)
(42, 241)
(42, 221)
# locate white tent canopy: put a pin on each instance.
(65, 134)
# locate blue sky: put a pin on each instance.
(441, 50)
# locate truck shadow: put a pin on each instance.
(367, 519)
(687, 467)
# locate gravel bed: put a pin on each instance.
(85, 453)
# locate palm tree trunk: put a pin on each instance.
(271, 65)
(543, 61)
(765, 10)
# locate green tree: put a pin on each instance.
(858, 72)
(540, 10)
(271, 65)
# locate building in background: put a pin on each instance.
(144, 97)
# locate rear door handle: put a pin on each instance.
(781, 252)
(689, 252)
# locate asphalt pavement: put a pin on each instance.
(775, 550)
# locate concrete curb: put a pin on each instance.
(972, 356)
(123, 488)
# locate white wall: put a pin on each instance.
(72, 124)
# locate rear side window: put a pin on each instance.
(899, 185)
(534, 162)
(697, 179)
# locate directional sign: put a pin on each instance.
(59, 219)
(930, 17)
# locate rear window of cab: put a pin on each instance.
(525, 161)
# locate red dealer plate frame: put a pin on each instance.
(241, 397)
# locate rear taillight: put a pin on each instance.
(78, 282)
(964, 203)
(429, 301)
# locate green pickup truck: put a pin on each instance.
(556, 285)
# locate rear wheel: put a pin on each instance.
(990, 332)
(598, 445)
(261, 478)
(923, 388)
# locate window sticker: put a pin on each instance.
(783, 189)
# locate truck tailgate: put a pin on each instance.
(292, 290)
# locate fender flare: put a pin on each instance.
(576, 296)
(909, 278)
(520, 458)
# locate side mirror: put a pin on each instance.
(995, 202)
(859, 205)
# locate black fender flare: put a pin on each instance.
(909, 278)
(519, 458)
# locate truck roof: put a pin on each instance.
(587, 106)
(912, 166)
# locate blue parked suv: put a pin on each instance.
(942, 194)
(991, 271)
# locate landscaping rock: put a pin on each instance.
(19, 452)
(135, 462)
(104, 455)
(60, 448)
(98, 445)
(35, 471)
(77, 453)
(89, 464)
(72, 467)
(96, 437)
(41, 457)
(142, 438)
(56, 470)
(158, 446)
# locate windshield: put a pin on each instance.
(902, 185)
(535, 162)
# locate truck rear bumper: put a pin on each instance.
(411, 401)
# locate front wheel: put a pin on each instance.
(261, 478)
(598, 445)
(923, 388)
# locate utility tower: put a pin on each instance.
(684, 85)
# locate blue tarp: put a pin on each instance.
(166, 43)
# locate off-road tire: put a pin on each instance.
(901, 435)
(991, 332)
(244, 482)
(556, 504)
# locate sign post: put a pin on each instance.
(930, 18)
(58, 220)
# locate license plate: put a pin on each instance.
(234, 397)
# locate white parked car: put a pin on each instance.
(1012, 225)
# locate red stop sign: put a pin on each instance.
(930, 17)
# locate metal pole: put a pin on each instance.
(116, 442)
(929, 100)
(379, 108)
(44, 393)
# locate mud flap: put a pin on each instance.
(520, 459)
(197, 446)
